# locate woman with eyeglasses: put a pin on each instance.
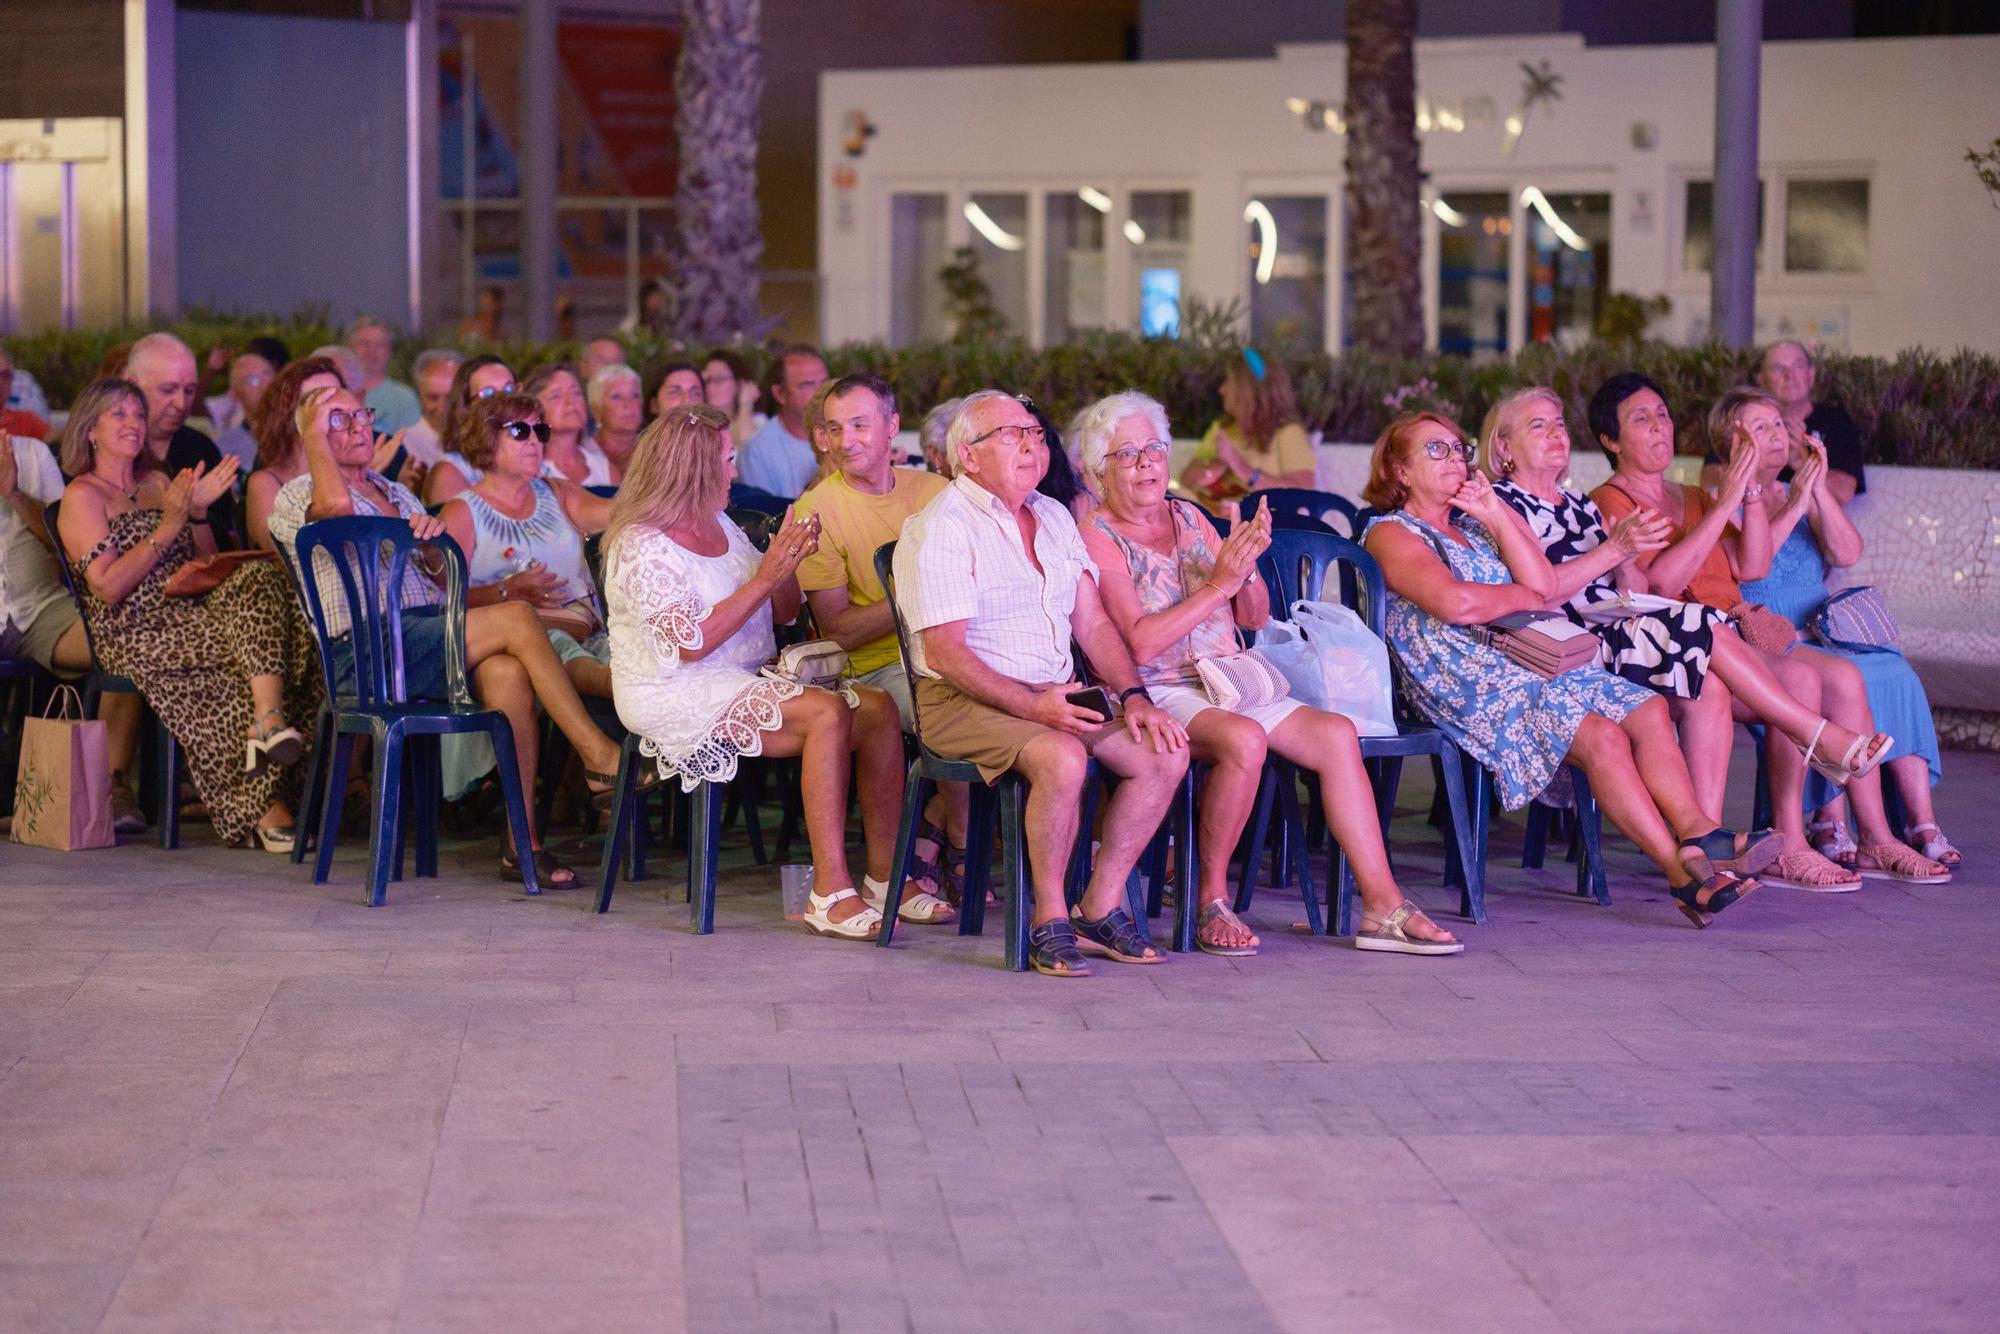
(522, 536)
(478, 377)
(1455, 558)
(1179, 592)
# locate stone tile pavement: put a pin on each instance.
(232, 1100)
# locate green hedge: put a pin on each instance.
(1921, 408)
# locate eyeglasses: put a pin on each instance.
(340, 419)
(723, 377)
(522, 430)
(1153, 451)
(492, 389)
(1011, 436)
(1444, 449)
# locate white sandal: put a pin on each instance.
(1830, 839)
(1859, 759)
(925, 909)
(1937, 847)
(863, 925)
(1388, 934)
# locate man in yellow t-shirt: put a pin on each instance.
(860, 506)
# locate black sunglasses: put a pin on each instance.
(522, 430)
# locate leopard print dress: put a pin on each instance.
(192, 659)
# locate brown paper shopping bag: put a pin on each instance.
(63, 797)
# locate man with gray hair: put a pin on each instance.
(993, 583)
(433, 372)
(164, 369)
(1786, 372)
(395, 403)
(930, 436)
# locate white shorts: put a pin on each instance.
(1182, 703)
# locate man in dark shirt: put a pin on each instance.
(164, 369)
(1786, 374)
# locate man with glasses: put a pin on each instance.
(993, 584)
(248, 375)
(779, 458)
(395, 403)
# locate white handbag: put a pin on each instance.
(817, 662)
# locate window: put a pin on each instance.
(1000, 243)
(1158, 232)
(1569, 264)
(1826, 227)
(917, 252)
(1473, 242)
(1286, 242)
(1698, 243)
(1073, 282)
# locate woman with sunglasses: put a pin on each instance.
(478, 377)
(522, 535)
(1456, 557)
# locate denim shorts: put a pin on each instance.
(423, 655)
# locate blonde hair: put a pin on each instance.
(674, 473)
(78, 453)
(1722, 417)
(1494, 459)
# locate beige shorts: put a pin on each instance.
(959, 727)
(38, 638)
(1182, 703)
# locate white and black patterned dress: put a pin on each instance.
(1666, 652)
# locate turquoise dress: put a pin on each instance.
(1515, 723)
(1795, 588)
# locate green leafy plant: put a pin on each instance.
(1986, 166)
(969, 299)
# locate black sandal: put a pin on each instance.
(1723, 888)
(1052, 951)
(1717, 848)
(1115, 935)
(549, 873)
(600, 797)
(948, 871)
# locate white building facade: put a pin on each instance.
(1109, 195)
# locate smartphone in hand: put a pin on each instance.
(1095, 698)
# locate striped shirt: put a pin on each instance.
(288, 515)
(961, 558)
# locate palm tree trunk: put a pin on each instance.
(1385, 243)
(719, 242)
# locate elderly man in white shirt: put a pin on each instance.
(993, 583)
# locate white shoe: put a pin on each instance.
(863, 925)
(925, 909)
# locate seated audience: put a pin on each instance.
(993, 582)
(507, 653)
(488, 321)
(1449, 571)
(1710, 551)
(779, 458)
(231, 672)
(522, 536)
(280, 457)
(433, 372)
(860, 506)
(396, 405)
(248, 375)
(1061, 483)
(931, 436)
(1786, 372)
(1258, 441)
(23, 409)
(618, 406)
(726, 383)
(1178, 592)
(692, 604)
(649, 313)
(599, 354)
(679, 387)
(164, 369)
(477, 377)
(571, 454)
(1810, 539)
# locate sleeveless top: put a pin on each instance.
(506, 545)
(1166, 581)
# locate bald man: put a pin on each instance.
(164, 369)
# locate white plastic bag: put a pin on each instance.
(1333, 662)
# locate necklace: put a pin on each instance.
(114, 488)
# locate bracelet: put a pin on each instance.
(1124, 695)
(1753, 492)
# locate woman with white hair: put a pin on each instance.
(1179, 592)
(618, 404)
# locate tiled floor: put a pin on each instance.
(232, 1100)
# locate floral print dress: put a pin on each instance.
(1515, 723)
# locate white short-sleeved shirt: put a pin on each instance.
(29, 579)
(961, 558)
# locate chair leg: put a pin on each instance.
(385, 838)
(427, 768)
(916, 791)
(339, 758)
(624, 816)
(1535, 844)
(979, 820)
(170, 788)
(315, 790)
(1260, 825)
(1082, 857)
(1760, 797)
(515, 799)
(1187, 890)
(707, 836)
(1468, 827)
(1014, 870)
(555, 751)
(1590, 875)
(1299, 856)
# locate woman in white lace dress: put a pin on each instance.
(691, 606)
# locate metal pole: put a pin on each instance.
(420, 51)
(1732, 291)
(538, 167)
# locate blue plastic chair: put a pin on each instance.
(378, 705)
(166, 750)
(1292, 503)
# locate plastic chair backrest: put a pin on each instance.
(756, 525)
(603, 491)
(1298, 561)
(1298, 502)
(353, 551)
(885, 570)
(51, 512)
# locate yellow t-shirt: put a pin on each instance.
(1288, 450)
(852, 525)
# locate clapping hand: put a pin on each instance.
(1236, 562)
(210, 484)
(1743, 459)
(1640, 533)
(1810, 475)
(536, 585)
(795, 539)
(385, 451)
(177, 498)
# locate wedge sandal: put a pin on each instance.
(1723, 888)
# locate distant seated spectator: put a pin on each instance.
(649, 311)
(566, 318)
(1061, 483)
(248, 375)
(488, 321)
(824, 451)
(477, 377)
(726, 383)
(779, 458)
(19, 419)
(931, 436)
(571, 454)
(1258, 441)
(164, 369)
(618, 406)
(599, 353)
(1786, 373)
(280, 457)
(433, 372)
(679, 386)
(395, 403)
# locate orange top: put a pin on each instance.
(1712, 584)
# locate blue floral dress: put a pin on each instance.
(1795, 588)
(1515, 723)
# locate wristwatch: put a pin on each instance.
(1124, 695)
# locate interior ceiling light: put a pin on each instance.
(1095, 197)
(983, 223)
(1267, 238)
(1446, 214)
(1134, 232)
(1538, 201)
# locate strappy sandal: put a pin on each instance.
(864, 925)
(1830, 839)
(1936, 848)
(948, 871)
(1389, 936)
(549, 873)
(1811, 872)
(921, 909)
(1052, 950)
(270, 744)
(1723, 888)
(1212, 912)
(1115, 936)
(1717, 851)
(271, 838)
(602, 786)
(1904, 865)
(1861, 756)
